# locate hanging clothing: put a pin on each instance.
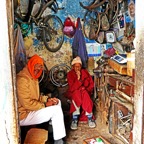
(79, 45)
(19, 50)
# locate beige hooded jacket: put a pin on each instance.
(29, 98)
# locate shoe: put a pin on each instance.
(59, 141)
(74, 125)
(91, 123)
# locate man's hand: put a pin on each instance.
(55, 101)
(78, 74)
(52, 101)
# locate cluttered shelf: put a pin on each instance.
(114, 87)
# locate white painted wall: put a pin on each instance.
(8, 122)
(139, 81)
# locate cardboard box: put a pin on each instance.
(119, 68)
(87, 141)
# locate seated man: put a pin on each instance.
(33, 108)
(80, 88)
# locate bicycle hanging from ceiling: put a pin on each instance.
(50, 26)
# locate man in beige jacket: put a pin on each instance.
(33, 108)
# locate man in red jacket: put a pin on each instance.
(80, 88)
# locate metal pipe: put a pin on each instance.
(128, 98)
(125, 140)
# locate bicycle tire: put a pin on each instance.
(111, 12)
(58, 74)
(93, 5)
(115, 16)
(91, 19)
(89, 5)
(45, 74)
(52, 33)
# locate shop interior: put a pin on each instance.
(102, 33)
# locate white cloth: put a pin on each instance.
(53, 113)
(76, 60)
(77, 111)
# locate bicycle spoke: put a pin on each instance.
(91, 24)
(54, 33)
(58, 75)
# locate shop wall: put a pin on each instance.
(95, 50)
(71, 9)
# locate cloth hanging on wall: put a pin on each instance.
(19, 50)
(79, 45)
(69, 27)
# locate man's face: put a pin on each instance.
(77, 67)
(37, 68)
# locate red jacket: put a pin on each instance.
(80, 90)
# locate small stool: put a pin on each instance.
(36, 136)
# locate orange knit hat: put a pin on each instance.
(35, 59)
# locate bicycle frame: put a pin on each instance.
(43, 9)
(36, 18)
(47, 32)
(29, 18)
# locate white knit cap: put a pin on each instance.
(76, 60)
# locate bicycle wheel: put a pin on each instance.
(58, 74)
(91, 25)
(53, 36)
